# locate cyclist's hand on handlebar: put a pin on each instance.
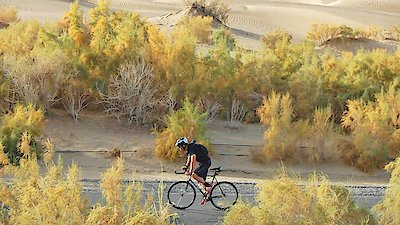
(184, 167)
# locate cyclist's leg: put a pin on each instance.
(198, 177)
(200, 174)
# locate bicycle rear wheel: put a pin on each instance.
(223, 195)
(181, 195)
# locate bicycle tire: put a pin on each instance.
(184, 189)
(226, 191)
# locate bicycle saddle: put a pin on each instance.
(216, 168)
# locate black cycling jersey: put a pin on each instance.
(200, 151)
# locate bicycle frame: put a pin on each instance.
(214, 179)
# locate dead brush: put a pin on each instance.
(214, 8)
(114, 152)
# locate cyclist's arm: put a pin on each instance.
(187, 164)
(188, 161)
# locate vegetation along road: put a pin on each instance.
(365, 196)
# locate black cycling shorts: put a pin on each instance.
(202, 170)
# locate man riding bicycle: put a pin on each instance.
(196, 153)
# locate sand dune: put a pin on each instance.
(249, 19)
(297, 19)
(392, 6)
(362, 43)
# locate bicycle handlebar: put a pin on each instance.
(179, 172)
(182, 171)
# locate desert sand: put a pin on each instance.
(88, 141)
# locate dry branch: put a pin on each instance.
(237, 114)
(36, 81)
(212, 108)
(74, 100)
(132, 93)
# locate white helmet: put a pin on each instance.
(181, 141)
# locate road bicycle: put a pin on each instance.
(182, 194)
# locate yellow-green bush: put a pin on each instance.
(323, 136)
(23, 120)
(283, 135)
(374, 130)
(199, 26)
(283, 201)
(172, 57)
(185, 122)
(99, 45)
(289, 139)
(126, 207)
(273, 39)
(56, 198)
(388, 210)
(34, 199)
(223, 38)
(8, 15)
(26, 31)
(114, 38)
(321, 33)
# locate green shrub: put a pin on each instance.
(185, 122)
(22, 122)
(224, 38)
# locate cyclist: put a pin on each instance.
(196, 153)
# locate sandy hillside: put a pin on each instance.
(88, 141)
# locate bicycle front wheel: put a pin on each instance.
(181, 195)
(223, 195)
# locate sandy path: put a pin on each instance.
(88, 141)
